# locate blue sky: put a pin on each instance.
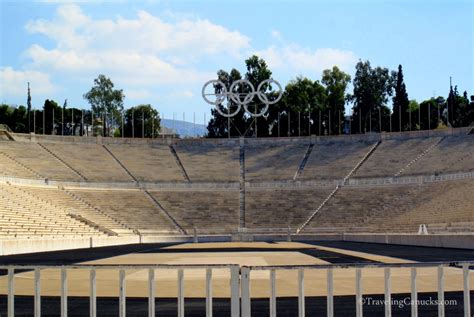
(161, 52)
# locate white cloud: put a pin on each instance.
(139, 52)
(276, 35)
(191, 37)
(14, 82)
(298, 58)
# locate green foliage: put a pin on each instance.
(103, 98)
(218, 125)
(429, 110)
(400, 103)
(336, 82)
(460, 110)
(296, 113)
(242, 124)
(16, 118)
(302, 101)
(372, 87)
(140, 121)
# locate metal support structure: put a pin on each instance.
(245, 291)
(400, 118)
(151, 292)
(330, 293)
(370, 120)
(329, 121)
(272, 294)
(467, 290)
(309, 123)
(63, 292)
(359, 302)
(380, 119)
(429, 116)
(122, 299)
(414, 293)
(339, 123)
(37, 300)
(387, 293)
(123, 125)
(208, 292)
(319, 122)
(409, 119)
(11, 292)
(92, 121)
(289, 124)
(180, 293)
(234, 291)
(299, 123)
(143, 124)
(440, 291)
(301, 304)
(93, 294)
(279, 114)
(52, 131)
(62, 120)
(240, 297)
(133, 123)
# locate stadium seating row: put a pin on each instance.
(443, 206)
(211, 162)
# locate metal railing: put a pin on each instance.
(240, 283)
(234, 286)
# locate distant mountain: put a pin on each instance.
(184, 128)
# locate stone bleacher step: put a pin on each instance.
(62, 161)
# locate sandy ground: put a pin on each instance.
(194, 279)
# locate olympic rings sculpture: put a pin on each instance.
(241, 99)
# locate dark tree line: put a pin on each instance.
(306, 107)
(318, 107)
(106, 116)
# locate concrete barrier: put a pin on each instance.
(458, 241)
(21, 246)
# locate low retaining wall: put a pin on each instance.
(458, 241)
(166, 140)
(21, 246)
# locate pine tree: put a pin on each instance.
(400, 104)
(28, 103)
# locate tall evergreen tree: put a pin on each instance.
(400, 103)
(336, 82)
(28, 104)
(372, 87)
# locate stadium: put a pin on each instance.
(372, 224)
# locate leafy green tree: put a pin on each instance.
(372, 87)
(459, 108)
(219, 125)
(15, 117)
(52, 109)
(299, 109)
(258, 71)
(28, 103)
(400, 103)
(140, 121)
(104, 99)
(413, 114)
(336, 82)
(471, 111)
(429, 114)
(242, 123)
